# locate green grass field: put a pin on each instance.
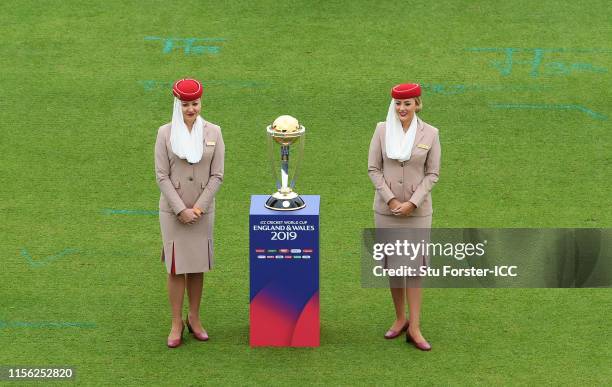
(86, 85)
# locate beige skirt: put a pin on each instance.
(420, 233)
(392, 221)
(187, 248)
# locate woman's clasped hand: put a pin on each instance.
(189, 216)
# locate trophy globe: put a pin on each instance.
(285, 140)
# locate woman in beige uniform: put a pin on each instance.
(403, 164)
(189, 155)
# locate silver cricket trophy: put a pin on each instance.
(285, 138)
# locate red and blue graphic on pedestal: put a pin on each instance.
(284, 274)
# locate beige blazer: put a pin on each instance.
(410, 180)
(188, 248)
(184, 185)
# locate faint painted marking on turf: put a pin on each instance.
(591, 113)
(453, 89)
(113, 211)
(46, 324)
(47, 260)
(151, 84)
(536, 60)
(188, 45)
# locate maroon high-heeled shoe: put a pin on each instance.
(201, 336)
(391, 334)
(423, 345)
(174, 343)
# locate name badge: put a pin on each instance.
(210, 143)
(423, 146)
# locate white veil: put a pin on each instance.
(186, 145)
(397, 143)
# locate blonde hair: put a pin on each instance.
(419, 103)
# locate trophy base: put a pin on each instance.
(280, 202)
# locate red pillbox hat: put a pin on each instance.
(406, 90)
(187, 89)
